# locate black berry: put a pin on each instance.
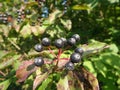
(38, 47)
(76, 36)
(71, 41)
(69, 66)
(79, 50)
(59, 43)
(45, 41)
(64, 41)
(75, 57)
(38, 61)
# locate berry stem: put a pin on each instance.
(64, 59)
(55, 60)
(59, 53)
(51, 52)
(58, 57)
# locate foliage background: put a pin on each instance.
(96, 21)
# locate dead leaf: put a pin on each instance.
(87, 79)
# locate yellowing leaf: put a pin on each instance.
(80, 7)
(26, 31)
(5, 84)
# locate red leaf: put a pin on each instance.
(25, 70)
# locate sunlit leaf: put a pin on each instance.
(2, 53)
(45, 84)
(114, 48)
(5, 84)
(63, 84)
(94, 47)
(113, 1)
(67, 24)
(89, 65)
(36, 30)
(80, 7)
(39, 79)
(111, 59)
(101, 67)
(26, 31)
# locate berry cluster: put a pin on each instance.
(39, 47)
(60, 43)
(21, 15)
(3, 18)
(64, 3)
(74, 58)
(45, 12)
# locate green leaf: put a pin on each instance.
(26, 31)
(67, 23)
(90, 67)
(39, 79)
(111, 59)
(113, 1)
(93, 47)
(63, 84)
(2, 54)
(45, 83)
(114, 48)
(101, 68)
(80, 7)
(9, 62)
(5, 84)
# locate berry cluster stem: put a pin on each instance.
(52, 52)
(58, 57)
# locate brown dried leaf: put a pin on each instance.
(74, 83)
(25, 70)
(87, 79)
(69, 82)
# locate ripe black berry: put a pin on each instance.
(75, 57)
(69, 66)
(45, 41)
(59, 43)
(76, 36)
(64, 41)
(71, 41)
(38, 61)
(38, 47)
(79, 50)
